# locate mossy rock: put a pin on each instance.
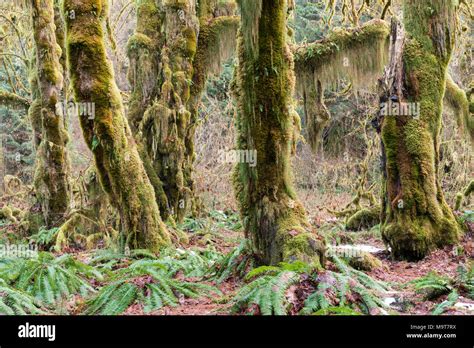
(365, 262)
(363, 219)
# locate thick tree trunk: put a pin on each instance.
(52, 169)
(120, 169)
(415, 215)
(273, 218)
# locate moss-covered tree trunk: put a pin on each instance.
(120, 169)
(273, 218)
(161, 54)
(52, 168)
(415, 215)
(167, 79)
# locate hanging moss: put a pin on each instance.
(457, 100)
(273, 219)
(416, 217)
(52, 168)
(161, 56)
(357, 55)
(13, 100)
(120, 169)
(464, 195)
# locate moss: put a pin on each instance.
(457, 99)
(365, 262)
(13, 100)
(357, 55)
(119, 167)
(461, 196)
(273, 218)
(363, 219)
(7, 213)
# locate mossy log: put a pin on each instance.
(364, 219)
(52, 168)
(267, 123)
(415, 216)
(120, 169)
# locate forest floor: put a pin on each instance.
(220, 232)
(405, 300)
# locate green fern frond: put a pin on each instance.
(49, 279)
(267, 292)
(236, 263)
(148, 282)
(17, 302)
(449, 302)
(432, 285)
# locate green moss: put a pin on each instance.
(364, 219)
(365, 262)
(458, 101)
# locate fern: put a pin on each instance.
(340, 310)
(16, 302)
(449, 302)
(267, 292)
(48, 279)
(193, 263)
(45, 238)
(432, 285)
(465, 279)
(348, 288)
(236, 263)
(148, 282)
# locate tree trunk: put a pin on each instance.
(273, 218)
(165, 56)
(161, 54)
(120, 169)
(52, 169)
(415, 215)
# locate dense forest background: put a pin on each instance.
(126, 220)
